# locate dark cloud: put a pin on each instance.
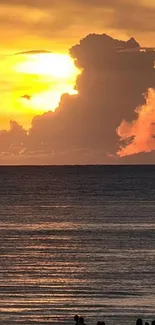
(27, 97)
(83, 128)
(77, 3)
(128, 16)
(53, 3)
(33, 52)
(13, 140)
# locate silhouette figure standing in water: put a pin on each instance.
(139, 321)
(81, 321)
(76, 318)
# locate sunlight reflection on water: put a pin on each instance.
(92, 254)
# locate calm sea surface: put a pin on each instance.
(77, 240)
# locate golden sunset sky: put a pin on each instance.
(36, 36)
(55, 26)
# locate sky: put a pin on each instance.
(76, 85)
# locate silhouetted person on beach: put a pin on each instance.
(76, 318)
(81, 321)
(139, 321)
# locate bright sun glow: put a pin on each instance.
(49, 76)
(50, 64)
(32, 83)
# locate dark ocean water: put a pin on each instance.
(77, 240)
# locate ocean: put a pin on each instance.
(77, 240)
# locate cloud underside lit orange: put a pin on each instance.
(139, 134)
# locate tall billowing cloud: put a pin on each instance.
(139, 135)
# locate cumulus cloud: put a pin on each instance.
(12, 141)
(115, 75)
